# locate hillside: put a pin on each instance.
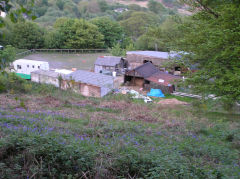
(48, 133)
(143, 3)
(47, 11)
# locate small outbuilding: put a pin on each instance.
(147, 76)
(110, 64)
(49, 77)
(137, 58)
(88, 83)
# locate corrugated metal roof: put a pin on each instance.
(47, 73)
(163, 78)
(108, 61)
(149, 72)
(155, 54)
(146, 69)
(91, 78)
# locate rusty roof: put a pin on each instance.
(163, 78)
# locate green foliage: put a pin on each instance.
(103, 5)
(27, 35)
(161, 38)
(60, 4)
(78, 33)
(47, 144)
(212, 37)
(137, 23)
(116, 50)
(111, 30)
(6, 56)
(53, 40)
(9, 82)
(156, 7)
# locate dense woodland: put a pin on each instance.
(63, 24)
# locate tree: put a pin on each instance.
(78, 33)
(111, 30)
(138, 23)
(53, 40)
(156, 7)
(7, 56)
(213, 41)
(27, 35)
(154, 39)
(60, 4)
(103, 5)
(162, 37)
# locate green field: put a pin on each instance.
(67, 61)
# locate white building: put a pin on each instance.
(24, 67)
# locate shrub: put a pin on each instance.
(11, 82)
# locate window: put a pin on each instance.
(19, 67)
(33, 66)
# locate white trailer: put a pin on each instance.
(24, 67)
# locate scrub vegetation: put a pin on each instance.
(49, 133)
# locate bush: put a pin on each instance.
(11, 82)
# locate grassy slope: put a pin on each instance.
(54, 133)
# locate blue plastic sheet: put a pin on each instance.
(156, 93)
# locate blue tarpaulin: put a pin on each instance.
(156, 93)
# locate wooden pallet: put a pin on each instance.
(187, 95)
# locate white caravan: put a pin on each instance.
(24, 67)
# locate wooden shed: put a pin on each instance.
(148, 76)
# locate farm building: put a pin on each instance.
(23, 67)
(137, 58)
(49, 77)
(88, 83)
(148, 76)
(110, 64)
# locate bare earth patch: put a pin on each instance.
(172, 102)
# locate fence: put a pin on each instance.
(67, 51)
(25, 53)
(71, 50)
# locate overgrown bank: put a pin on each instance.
(48, 133)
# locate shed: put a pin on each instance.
(49, 77)
(148, 76)
(45, 77)
(24, 67)
(88, 83)
(109, 63)
(137, 58)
